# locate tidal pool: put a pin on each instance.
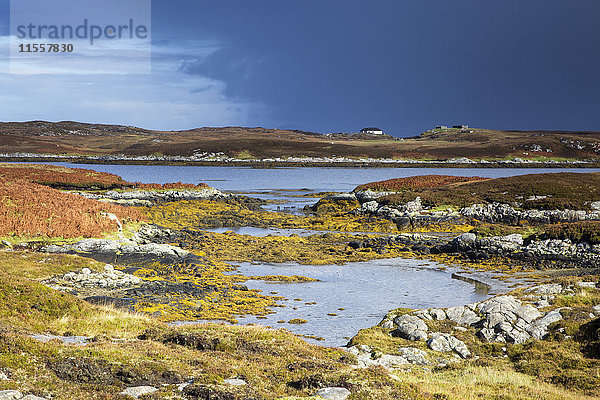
(360, 294)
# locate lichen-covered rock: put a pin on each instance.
(333, 393)
(462, 315)
(444, 342)
(414, 356)
(138, 391)
(410, 327)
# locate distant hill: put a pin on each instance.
(75, 138)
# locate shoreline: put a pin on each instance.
(305, 164)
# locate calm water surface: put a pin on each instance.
(364, 290)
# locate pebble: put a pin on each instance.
(137, 391)
(235, 382)
(333, 393)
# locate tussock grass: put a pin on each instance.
(473, 382)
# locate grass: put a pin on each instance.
(130, 349)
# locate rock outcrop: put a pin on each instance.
(505, 214)
(503, 319)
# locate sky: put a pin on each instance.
(337, 66)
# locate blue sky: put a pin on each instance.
(340, 65)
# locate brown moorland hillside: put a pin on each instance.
(563, 190)
(76, 138)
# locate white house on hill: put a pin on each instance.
(372, 131)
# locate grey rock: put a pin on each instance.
(414, 206)
(235, 382)
(551, 288)
(414, 356)
(517, 336)
(444, 342)
(596, 309)
(410, 327)
(33, 397)
(466, 241)
(389, 361)
(10, 394)
(137, 391)
(498, 304)
(368, 195)
(462, 315)
(333, 393)
(3, 376)
(369, 207)
(539, 328)
(590, 285)
(542, 303)
(527, 312)
(437, 314)
(387, 324)
(423, 314)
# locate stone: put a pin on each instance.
(423, 314)
(498, 304)
(410, 327)
(414, 206)
(551, 288)
(333, 393)
(461, 315)
(444, 342)
(387, 324)
(517, 336)
(137, 391)
(513, 238)
(527, 312)
(539, 328)
(235, 382)
(3, 376)
(591, 285)
(414, 356)
(437, 314)
(109, 268)
(466, 241)
(33, 397)
(10, 394)
(596, 309)
(389, 361)
(542, 304)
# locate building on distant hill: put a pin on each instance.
(460, 126)
(372, 131)
(441, 127)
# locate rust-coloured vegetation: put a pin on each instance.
(61, 177)
(584, 231)
(417, 182)
(28, 208)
